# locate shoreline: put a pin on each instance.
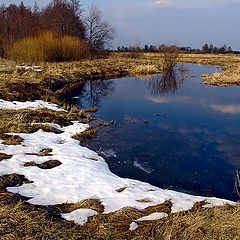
(50, 79)
(32, 144)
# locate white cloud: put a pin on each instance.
(163, 100)
(185, 3)
(230, 108)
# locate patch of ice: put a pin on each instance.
(153, 216)
(79, 216)
(133, 226)
(109, 153)
(144, 166)
(15, 105)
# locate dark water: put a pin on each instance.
(171, 131)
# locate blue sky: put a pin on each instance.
(181, 22)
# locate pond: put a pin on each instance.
(171, 131)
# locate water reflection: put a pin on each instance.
(95, 91)
(167, 83)
(89, 94)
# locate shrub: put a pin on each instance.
(48, 47)
(169, 58)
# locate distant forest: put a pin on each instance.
(206, 48)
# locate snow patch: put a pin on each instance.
(15, 105)
(79, 216)
(80, 178)
(153, 216)
(133, 226)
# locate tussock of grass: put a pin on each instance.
(4, 156)
(46, 165)
(10, 139)
(86, 135)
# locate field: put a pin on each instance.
(55, 76)
(21, 220)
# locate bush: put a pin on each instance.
(48, 47)
(169, 58)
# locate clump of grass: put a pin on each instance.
(48, 47)
(86, 135)
(4, 156)
(46, 165)
(45, 152)
(11, 139)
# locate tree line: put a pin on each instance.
(207, 48)
(60, 17)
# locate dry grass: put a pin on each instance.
(28, 121)
(56, 76)
(46, 165)
(86, 135)
(19, 220)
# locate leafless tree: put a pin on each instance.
(98, 31)
(62, 16)
(16, 22)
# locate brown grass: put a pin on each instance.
(19, 220)
(58, 76)
(28, 121)
(86, 135)
(46, 165)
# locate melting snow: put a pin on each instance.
(153, 216)
(79, 177)
(133, 226)
(79, 216)
(15, 105)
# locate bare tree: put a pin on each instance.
(99, 32)
(63, 17)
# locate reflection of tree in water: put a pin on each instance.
(94, 91)
(169, 82)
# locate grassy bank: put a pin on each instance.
(47, 78)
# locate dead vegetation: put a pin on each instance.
(46, 165)
(28, 121)
(86, 135)
(54, 77)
